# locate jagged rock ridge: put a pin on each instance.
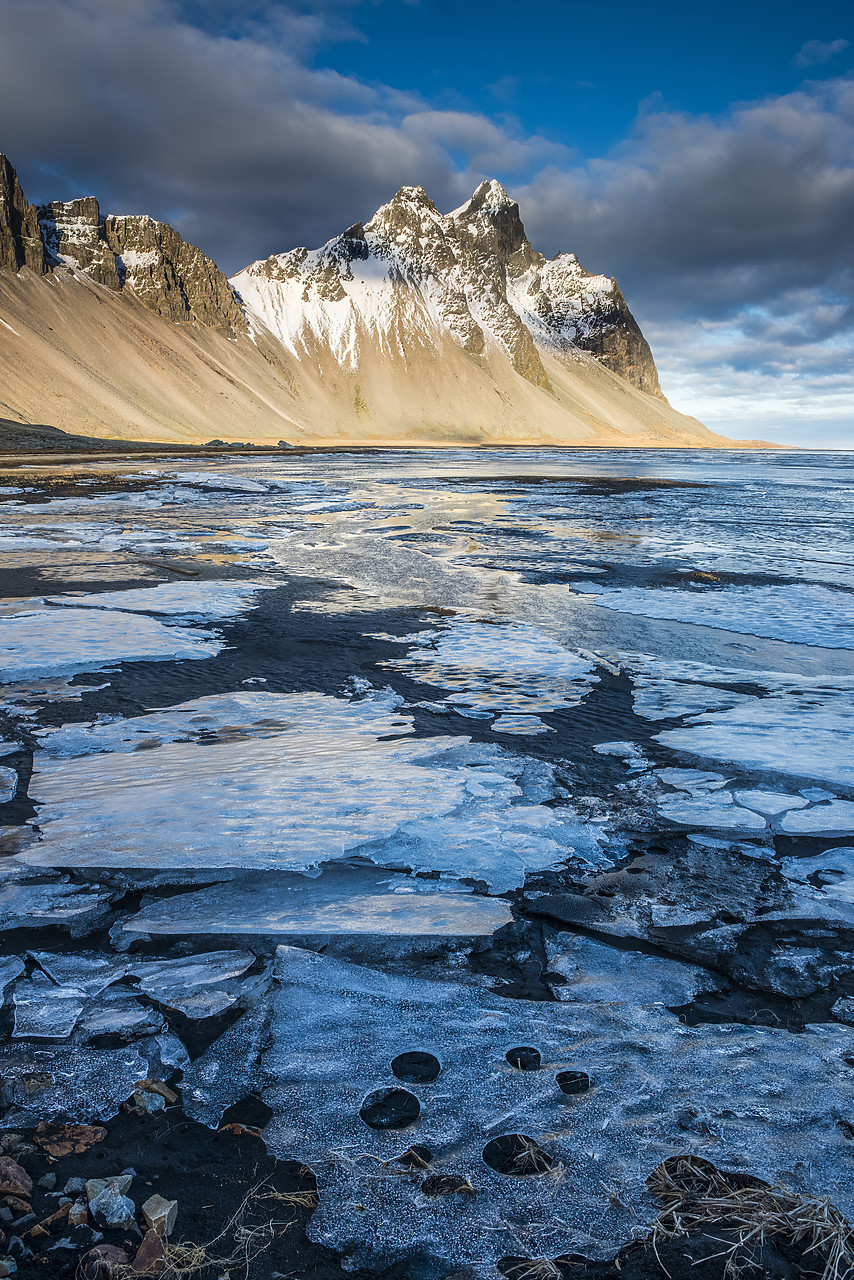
(472, 274)
(20, 239)
(150, 258)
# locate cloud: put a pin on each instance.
(815, 52)
(732, 236)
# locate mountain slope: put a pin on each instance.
(416, 328)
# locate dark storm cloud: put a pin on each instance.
(733, 237)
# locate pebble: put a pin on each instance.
(8, 1266)
(48, 1181)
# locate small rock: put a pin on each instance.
(48, 1181)
(160, 1215)
(68, 1139)
(157, 1086)
(102, 1262)
(843, 1010)
(150, 1258)
(10, 1142)
(78, 1213)
(6, 1214)
(148, 1103)
(73, 1186)
(17, 1249)
(14, 1181)
(24, 1221)
(117, 1185)
(8, 1266)
(108, 1202)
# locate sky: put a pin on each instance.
(703, 155)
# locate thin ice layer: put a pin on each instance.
(53, 642)
(302, 778)
(800, 613)
(798, 726)
(203, 601)
(336, 1028)
(496, 667)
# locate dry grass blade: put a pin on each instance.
(698, 1197)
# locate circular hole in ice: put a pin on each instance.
(417, 1067)
(525, 1058)
(390, 1109)
(516, 1155)
(572, 1081)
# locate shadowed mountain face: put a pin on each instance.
(417, 327)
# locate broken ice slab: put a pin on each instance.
(293, 780)
(692, 779)
(44, 1011)
(88, 972)
(77, 910)
(41, 1082)
(715, 811)
(197, 986)
(833, 819)
(11, 967)
(802, 613)
(200, 601)
(494, 667)
(119, 1014)
(829, 875)
(8, 784)
(336, 1030)
(768, 802)
(350, 904)
(597, 973)
(53, 642)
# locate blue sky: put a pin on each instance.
(702, 154)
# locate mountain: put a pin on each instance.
(416, 327)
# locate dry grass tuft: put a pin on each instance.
(697, 1197)
(534, 1269)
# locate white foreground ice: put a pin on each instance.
(761, 1096)
(284, 782)
(800, 614)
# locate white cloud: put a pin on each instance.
(815, 52)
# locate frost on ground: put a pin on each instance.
(337, 1034)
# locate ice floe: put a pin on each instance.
(201, 601)
(798, 613)
(321, 778)
(336, 1031)
(507, 669)
(826, 819)
(62, 641)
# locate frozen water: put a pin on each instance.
(44, 1081)
(715, 810)
(291, 908)
(693, 780)
(199, 601)
(45, 1011)
(62, 641)
(519, 724)
(10, 969)
(598, 974)
(198, 986)
(768, 802)
(24, 905)
(799, 727)
(801, 614)
(834, 869)
(320, 779)
(499, 667)
(835, 818)
(337, 1027)
(8, 784)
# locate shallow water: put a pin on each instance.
(342, 701)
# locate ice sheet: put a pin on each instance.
(320, 779)
(598, 974)
(62, 641)
(798, 613)
(499, 667)
(657, 1087)
(201, 601)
